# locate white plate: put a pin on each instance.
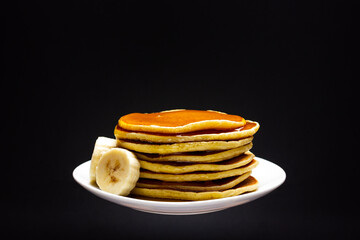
(269, 175)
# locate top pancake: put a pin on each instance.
(249, 129)
(180, 121)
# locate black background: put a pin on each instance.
(72, 69)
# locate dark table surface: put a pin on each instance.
(72, 69)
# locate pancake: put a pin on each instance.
(249, 184)
(196, 157)
(249, 129)
(180, 121)
(200, 186)
(173, 167)
(182, 147)
(189, 154)
(198, 176)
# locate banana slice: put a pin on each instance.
(102, 145)
(118, 171)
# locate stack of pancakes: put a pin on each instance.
(190, 154)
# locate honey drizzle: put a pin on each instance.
(177, 118)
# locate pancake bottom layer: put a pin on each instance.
(249, 184)
(200, 186)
